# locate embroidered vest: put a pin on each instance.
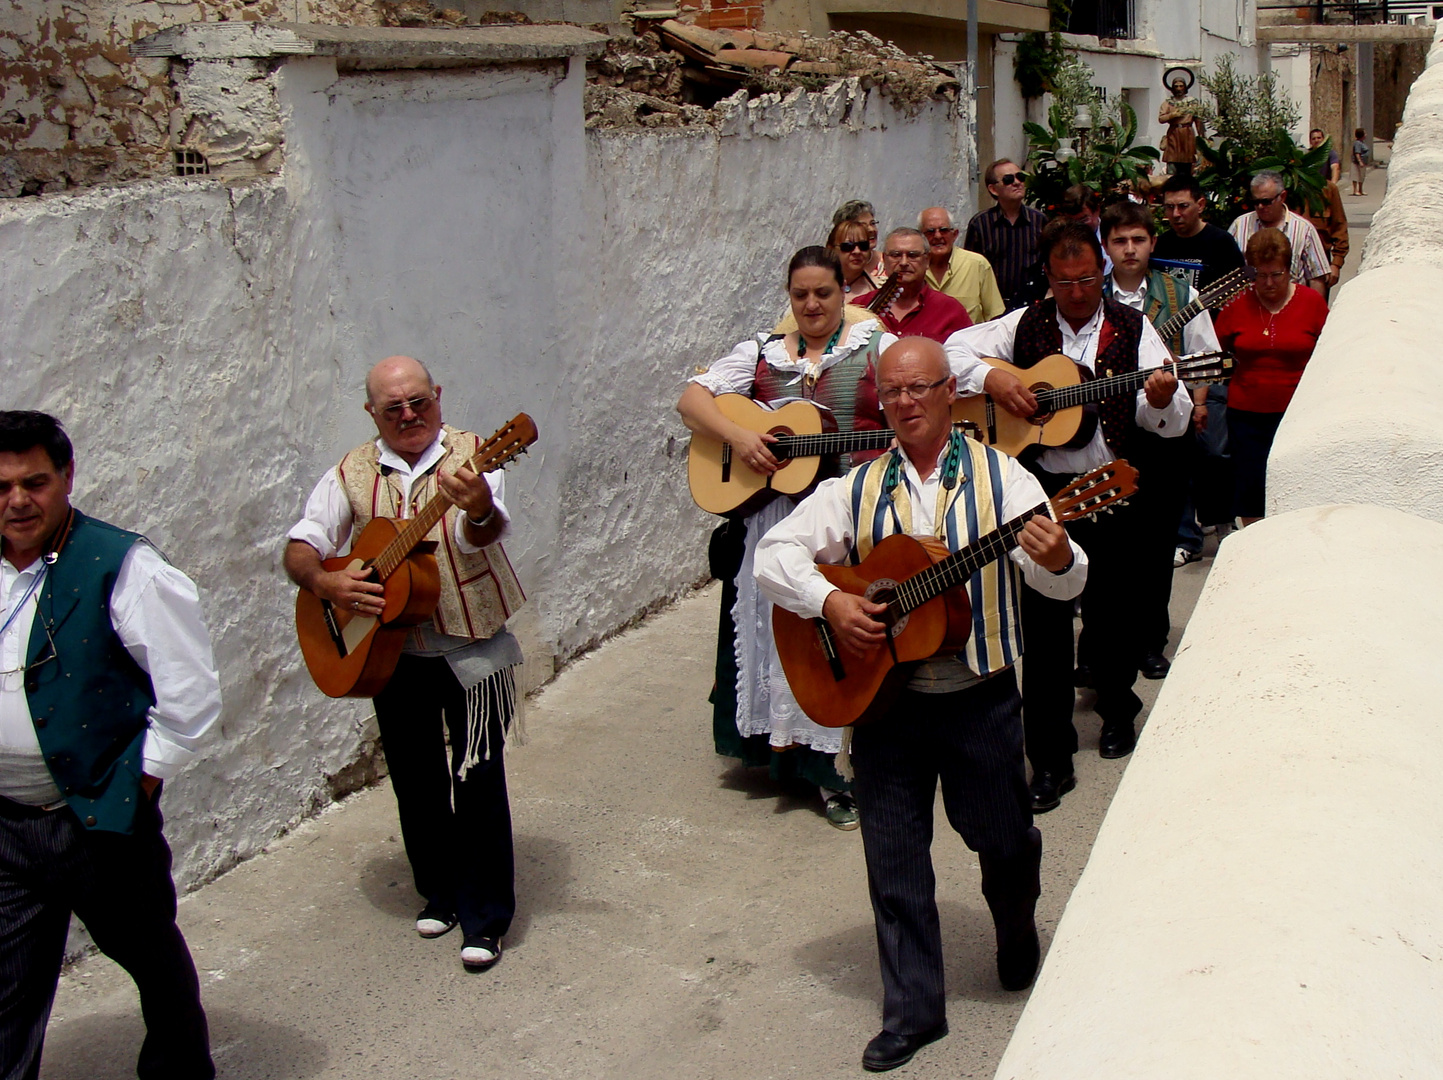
(1161, 302)
(1038, 336)
(479, 591)
(848, 388)
(970, 511)
(88, 698)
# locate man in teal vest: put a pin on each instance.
(107, 687)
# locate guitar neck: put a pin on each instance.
(797, 446)
(1066, 397)
(958, 567)
(1181, 319)
(415, 529)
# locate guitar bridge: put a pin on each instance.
(333, 628)
(829, 649)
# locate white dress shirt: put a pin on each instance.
(821, 529)
(966, 349)
(326, 523)
(1197, 336)
(155, 610)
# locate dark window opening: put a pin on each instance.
(191, 163)
(1102, 18)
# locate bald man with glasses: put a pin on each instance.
(918, 310)
(1270, 211)
(963, 275)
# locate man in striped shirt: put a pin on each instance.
(1007, 235)
(1270, 211)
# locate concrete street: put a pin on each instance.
(679, 916)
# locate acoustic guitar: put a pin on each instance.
(928, 613)
(1064, 389)
(350, 654)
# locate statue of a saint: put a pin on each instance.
(1184, 126)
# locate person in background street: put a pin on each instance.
(1332, 226)
(958, 720)
(1360, 160)
(1270, 211)
(963, 275)
(1332, 169)
(1081, 204)
(1104, 337)
(1193, 241)
(1271, 330)
(918, 309)
(1129, 235)
(1006, 235)
(832, 363)
(107, 689)
(457, 674)
(861, 211)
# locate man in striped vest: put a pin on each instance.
(959, 719)
(458, 671)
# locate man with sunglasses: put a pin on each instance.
(1107, 338)
(918, 310)
(1270, 211)
(963, 275)
(107, 689)
(1006, 235)
(457, 672)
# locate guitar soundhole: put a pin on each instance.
(1037, 419)
(884, 591)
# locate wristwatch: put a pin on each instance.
(484, 521)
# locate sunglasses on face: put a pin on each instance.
(1267, 202)
(939, 230)
(1011, 178)
(849, 246)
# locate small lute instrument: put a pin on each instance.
(928, 613)
(1064, 389)
(353, 655)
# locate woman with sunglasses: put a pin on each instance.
(1271, 330)
(832, 363)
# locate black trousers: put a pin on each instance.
(457, 832)
(121, 889)
(1112, 613)
(1167, 465)
(972, 742)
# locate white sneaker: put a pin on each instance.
(1182, 556)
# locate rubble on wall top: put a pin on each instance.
(673, 73)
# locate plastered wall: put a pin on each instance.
(206, 346)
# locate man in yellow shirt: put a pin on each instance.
(964, 275)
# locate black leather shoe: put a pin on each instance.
(1117, 740)
(1155, 666)
(1048, 787)
(888, 1051)
(1082, 677)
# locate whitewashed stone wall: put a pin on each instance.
(206, 347)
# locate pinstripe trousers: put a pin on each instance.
(971, 741)
(120, 887)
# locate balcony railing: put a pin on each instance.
(1102, 18)
(1356, 12)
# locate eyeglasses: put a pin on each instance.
(900, 255)
(849, 246)
(940, 229)
(1072, 283)
(1177, 207)
(418, 405)
(1272, 275)
(1267, 202)
(1011, 178)
(917, 391)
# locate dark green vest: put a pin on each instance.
(88, 698)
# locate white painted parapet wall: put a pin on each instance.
(1262, 899)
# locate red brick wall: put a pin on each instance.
(725, 14)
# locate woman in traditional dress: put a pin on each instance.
(1271, 330)
(832, 363)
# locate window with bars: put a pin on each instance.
(191, 163)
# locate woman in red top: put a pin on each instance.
(1271, 331)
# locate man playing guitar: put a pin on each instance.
(1106, 338)
(957, 720)
(459, 668)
